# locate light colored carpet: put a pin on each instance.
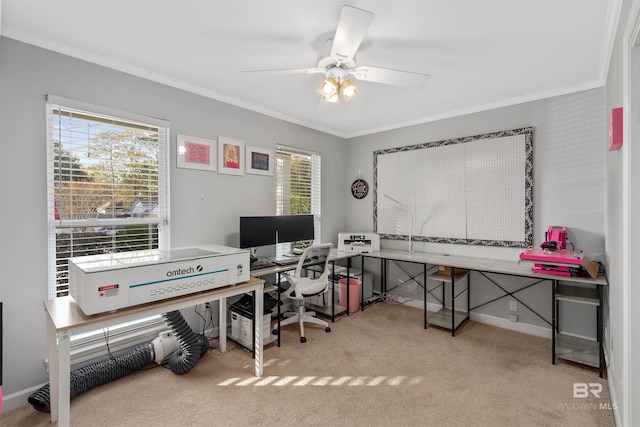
(376, 368)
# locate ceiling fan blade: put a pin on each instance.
(287, 71)
(388, 76)
(352, 26)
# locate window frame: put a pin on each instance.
(56, 223)
(283, 207)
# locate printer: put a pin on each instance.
(358, 242)
(107, 282)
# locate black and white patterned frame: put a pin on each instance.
(528, 240)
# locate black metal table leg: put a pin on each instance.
(279, 313)
(554, 321)
(424, 281)
(600, 334)
(453, 302)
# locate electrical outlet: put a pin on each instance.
(513, 317)
(513, 305)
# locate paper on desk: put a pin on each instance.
(591, 267)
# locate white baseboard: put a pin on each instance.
(617, 414)
(499, 322)
(18, 399)
(419, 304)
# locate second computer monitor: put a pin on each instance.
(257, 231)
(295, 228)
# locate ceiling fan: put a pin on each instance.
(340, 62)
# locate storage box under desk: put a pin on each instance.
(446, 270)
(241, 328)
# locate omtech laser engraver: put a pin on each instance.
(101, 283)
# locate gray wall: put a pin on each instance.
(205, 206)
(568, 165)
(569, 148)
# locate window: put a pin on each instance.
(106, 184)
(298, 186)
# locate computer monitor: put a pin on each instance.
(257, 231)
(295, 228)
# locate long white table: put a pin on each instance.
(475, 263)
(65, 319)
(487, 265)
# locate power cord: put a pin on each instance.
(207, 321)
(111, 356)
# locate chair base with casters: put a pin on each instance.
(302, 286)
(301, 316)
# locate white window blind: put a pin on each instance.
(298, 186)
(106, 184)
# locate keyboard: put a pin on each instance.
(287, 261)
(262, 264)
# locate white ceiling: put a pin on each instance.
(480, 54)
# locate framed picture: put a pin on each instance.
(196, 153)
(260, 161)
(230, 156)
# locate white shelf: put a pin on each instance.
(446, 278)
(575, 349)
(577, 294)
(442, 318)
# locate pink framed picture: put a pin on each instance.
(230, 156)
(196, 153)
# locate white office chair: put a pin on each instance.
(302, 286)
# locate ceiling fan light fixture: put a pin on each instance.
(338, 61)
(332, 87)
(333, 98)
(329, 87)
(349, 89)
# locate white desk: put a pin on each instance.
(428, 258)
(466, 262)
(486, 265)
(65, 319)
(334, 256)
(478, 264)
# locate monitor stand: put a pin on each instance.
(293, 251)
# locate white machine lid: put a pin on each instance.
(118, 260)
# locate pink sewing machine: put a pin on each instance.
(553, 256)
